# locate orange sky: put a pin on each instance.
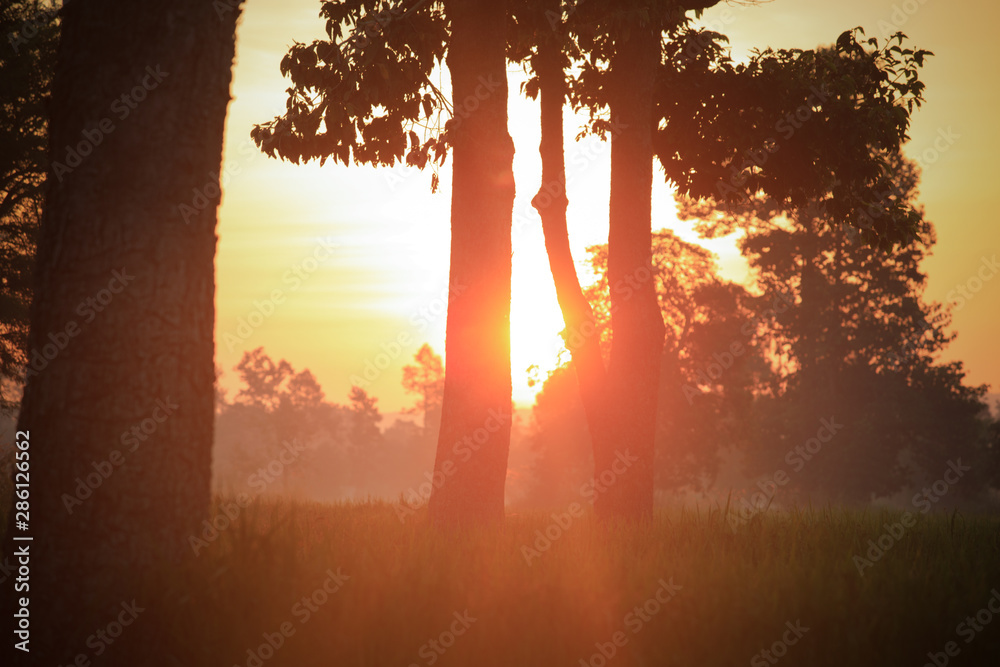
(330, 267)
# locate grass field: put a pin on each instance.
(309, 584)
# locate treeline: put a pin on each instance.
(279, 435)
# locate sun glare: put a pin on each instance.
(535, 323)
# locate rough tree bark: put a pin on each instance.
(471, 463)
(119, 398)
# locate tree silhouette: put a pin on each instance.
(262, 379)
(426, 380)
(859, 343)
(141, 345)
(280, 411)
(365, 437)
(26, 69)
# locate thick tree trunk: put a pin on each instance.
(119, 398)
(471, 464)
(625, 460)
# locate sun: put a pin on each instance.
(535, 323)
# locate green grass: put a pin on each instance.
(739, 588)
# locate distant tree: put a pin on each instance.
(281, 436)
(426, 380)
(221, 395)
(365, 427)
(276, 410)
(263, 379)
(31, 30)
(111, 234)
(858, 344)
(366, 449)
(561, 443)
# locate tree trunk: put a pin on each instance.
(471, 463)
(620, 403)
(119, 397)
(581, 334)
(624, 462)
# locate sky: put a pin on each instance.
(344, 269)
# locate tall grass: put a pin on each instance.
(740, 590)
